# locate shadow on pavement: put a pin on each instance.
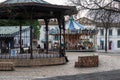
(108, 75)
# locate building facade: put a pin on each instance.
(10, 37)
(52, 39)
(113, 39)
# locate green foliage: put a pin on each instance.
(36, 27)
(35, 24)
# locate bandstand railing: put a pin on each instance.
(37, 54)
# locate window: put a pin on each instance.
(15, 41)
(102, 44)
(91, 36)
(118, 32)
(56, 37)
(101, 32)
(118, 43)
(110, 32)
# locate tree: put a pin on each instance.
(97, 5)
(106, 19)
(101, 11)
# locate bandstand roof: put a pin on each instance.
(35, 9)
(71, 24)
(25, 1)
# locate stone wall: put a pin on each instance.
(35, 62)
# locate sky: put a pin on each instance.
(2, 0)
(59, 2)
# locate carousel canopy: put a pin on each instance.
(73, 25)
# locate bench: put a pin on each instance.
(7, 66)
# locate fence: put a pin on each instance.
(37, 54)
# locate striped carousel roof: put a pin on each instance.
(73, 25)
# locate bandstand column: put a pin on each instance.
(31, 37)
(60, 24)
(31, 50)
(46, 42)
(63, 24)
(20, 41)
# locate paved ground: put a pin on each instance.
(108, 62)
(109, 75)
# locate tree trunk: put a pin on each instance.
(106, 39)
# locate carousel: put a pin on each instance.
(79, 37)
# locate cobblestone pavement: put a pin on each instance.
(108, 62)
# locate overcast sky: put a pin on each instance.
(60, 2)
(2, 0)
(56, 1)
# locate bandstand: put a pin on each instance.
(31, 10)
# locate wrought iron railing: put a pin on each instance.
(26, 55)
